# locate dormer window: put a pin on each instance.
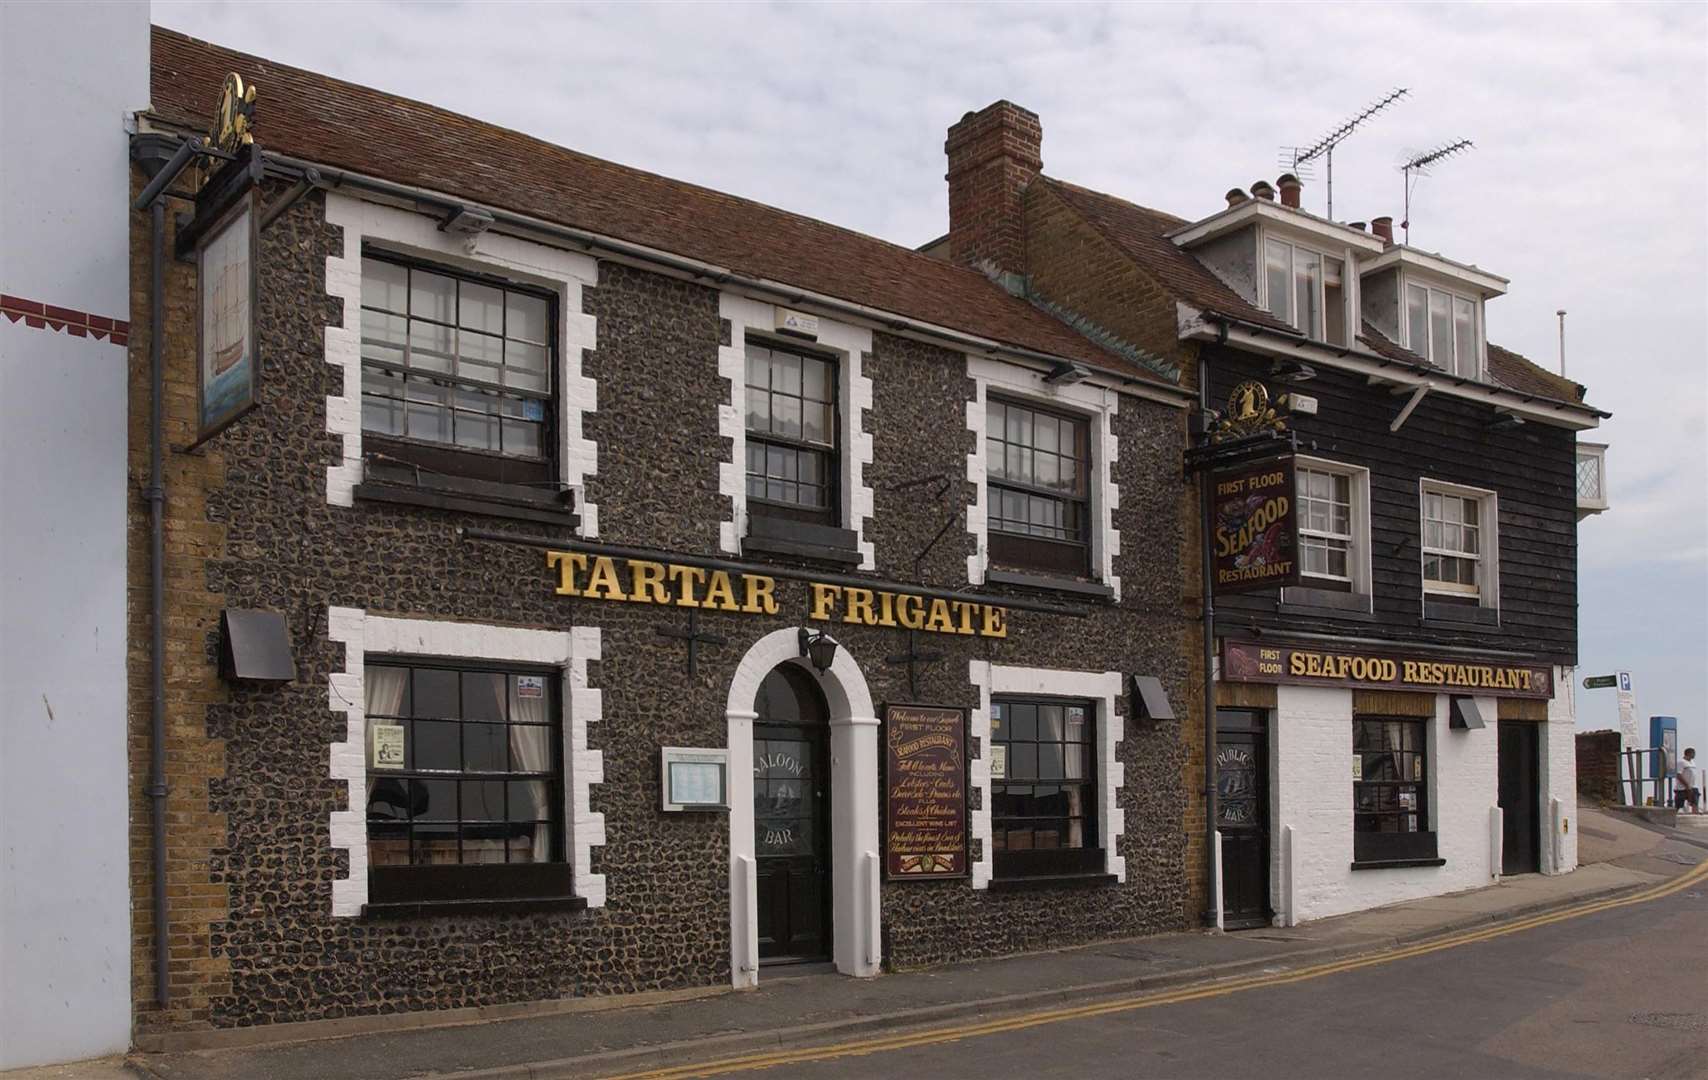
(1306, 289)
(1442, 328)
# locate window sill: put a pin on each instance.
(802, 539)
(507, 906)
(1048, 583)
(1050, 881)
(405, 486)
(1395, 864)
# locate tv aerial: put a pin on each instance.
(1418, 165)
(1297, 159)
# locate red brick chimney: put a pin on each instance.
(993, 154)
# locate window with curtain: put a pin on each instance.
(1453, 548)
(1043, 786)
(1442, 328)
(1038, 473)
(458, 368)
(1390, 791)
(792, 433)
(480, 785)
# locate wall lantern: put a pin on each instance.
(818, 647)
(255, 646)
(1067, 373)
(1467, 714)
(1149, 699)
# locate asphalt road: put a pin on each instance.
(1617, 993)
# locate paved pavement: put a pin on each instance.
(580, 1042)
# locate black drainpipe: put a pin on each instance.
(1212, 895)
(149, 151)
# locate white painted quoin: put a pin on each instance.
(751, 319)
(855, 840)
(1310, 778)
(364, 636)
(70, 74)
(564, 273)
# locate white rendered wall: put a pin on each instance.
(1559, 779)
(1311, 746)
(69, 74)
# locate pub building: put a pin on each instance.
(578, 582)
(1393, 563)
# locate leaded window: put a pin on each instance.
(1043, 787)
(1453, 549)
(1326, 527)
(465, 771)
(1038, 472)
(792, 431)
(456, 361)
(1389, 784)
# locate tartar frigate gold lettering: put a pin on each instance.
(598, 577)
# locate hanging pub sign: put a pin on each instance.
(225, 274)
(1246, 661)
(925, 804)
(1254, 532)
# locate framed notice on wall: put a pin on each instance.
(925, 804)
(226, 341)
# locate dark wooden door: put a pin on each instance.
(1242, 816)
(791, 820)
(1520, 798)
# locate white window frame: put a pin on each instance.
(1350, 304)
(1098, 405)
(1358, 560)
(1430, 288)
(1488, 543)
(1593, 502)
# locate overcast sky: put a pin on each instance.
(1585, 188)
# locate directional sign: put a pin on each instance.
(1601, 682)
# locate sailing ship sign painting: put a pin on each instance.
(225, 262)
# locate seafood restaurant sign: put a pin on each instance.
(926, 805)
(1256, 536)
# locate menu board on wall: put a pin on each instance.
(926, 792)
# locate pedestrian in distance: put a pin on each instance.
(1689, 783)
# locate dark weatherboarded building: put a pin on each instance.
(557, 472)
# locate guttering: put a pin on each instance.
(521, 224)
(1206, 558)
(1241, 333)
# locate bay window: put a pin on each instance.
(1442, 328)
(1306, 289)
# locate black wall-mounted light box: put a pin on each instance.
(255, 647)
(1149, 699)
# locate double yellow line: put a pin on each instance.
(930, 1036)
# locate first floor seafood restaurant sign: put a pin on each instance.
(926, 804)
(1255, 531)
(1244, 661)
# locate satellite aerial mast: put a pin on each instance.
(1324, 147)
(1419, 164)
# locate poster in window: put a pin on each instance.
(1255, 528)
(926, 792)
(225, 275)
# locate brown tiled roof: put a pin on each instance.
(1516, 372)
(1143, 234)
(1383, 346)
(345, 126)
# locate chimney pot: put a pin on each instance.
(1235, 196)
(993, 154)
(1383, 227)
(1290, 190)
(1262, 189)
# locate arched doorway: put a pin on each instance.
(791, 817)
(854, 926)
